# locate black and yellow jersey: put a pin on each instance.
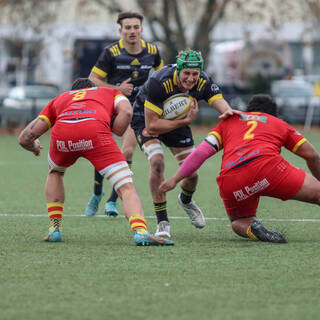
(163, 84)
(116, 64)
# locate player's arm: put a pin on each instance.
(122, 115)
(311, 156)
(28, 138)
(155, 124)
(193, 162)
(223, 107)
(125, 87)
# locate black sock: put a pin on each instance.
(186, 196)
(114, 196)
(98, 183)
(160, 209)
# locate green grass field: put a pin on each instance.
(98, 272)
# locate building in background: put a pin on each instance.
(65, 44)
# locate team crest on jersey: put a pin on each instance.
(135, 74)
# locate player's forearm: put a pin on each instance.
(198, 156)
(160, 126)
(314, 166)
(221, 105)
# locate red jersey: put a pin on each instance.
(251, 135)
(89, 103)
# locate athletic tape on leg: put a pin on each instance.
(152, 149)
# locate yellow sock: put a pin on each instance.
(251, 235)
(138, 224)
(55, 210)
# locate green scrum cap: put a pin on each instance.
(189, 59)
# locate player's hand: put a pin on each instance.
(167, 185)
(37, 147)
(126, 87)
(194, 109)
(230, 112)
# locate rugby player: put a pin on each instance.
(186, 76)
(124, 65)
(253, 167)
(80, 121)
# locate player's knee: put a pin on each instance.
(154, 150)
(125, 189)
(128, 152)
(157, 165)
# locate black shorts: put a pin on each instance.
(178, 138)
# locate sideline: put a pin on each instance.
(31, 215)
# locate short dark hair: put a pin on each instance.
(129, 15)
(81, 83)
(263, 103)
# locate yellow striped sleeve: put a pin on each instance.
(100, 72)
(217, 135)
(295, 148)
(215, 97)
(46, 119)
(153, 107)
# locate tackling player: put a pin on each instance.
(124, 65)
(253, 167)
(151, 129)
(80, 121)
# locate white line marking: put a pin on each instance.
(148, 217)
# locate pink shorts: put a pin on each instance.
(89, 139)
(241, 188)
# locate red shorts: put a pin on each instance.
(241, 188)
(89, 139)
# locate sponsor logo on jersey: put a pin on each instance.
(242, 158)
(71, 146)
(77, 112)
(187, 140)
(248, 191)
(253, 117)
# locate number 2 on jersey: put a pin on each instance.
(249, 135)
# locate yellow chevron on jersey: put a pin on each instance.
(201, 83)
(152, 49)
(115, 50)
(168, 86)
(135, 62)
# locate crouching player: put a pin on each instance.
(252, 166)
(80, 121)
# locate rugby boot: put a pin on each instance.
(147, 239)
(54, 236)
(163, 229)
(258, 229)
(194, 212)
(93, 205)
(111, 209)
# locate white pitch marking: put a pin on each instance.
(66, 215)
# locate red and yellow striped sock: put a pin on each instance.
(251, 235)
(138, 224)
(55, 210)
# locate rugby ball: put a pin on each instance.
(177, 106)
